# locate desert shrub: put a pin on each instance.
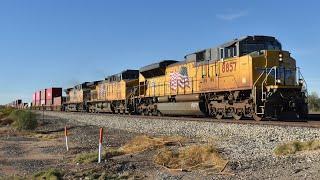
(50, 174)
(5, 112)
(296, 146)
(314, 102)
(24, 120)
(90, 157)
(86, 157)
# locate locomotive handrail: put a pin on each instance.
(254, 90)
(275, 75)
(265, 79)
(304, 81)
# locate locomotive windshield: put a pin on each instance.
(250, 45)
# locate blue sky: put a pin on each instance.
(61, 43)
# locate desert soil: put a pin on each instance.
(24, 153)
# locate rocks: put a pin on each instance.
(249, 148)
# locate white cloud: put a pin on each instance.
(229, 16)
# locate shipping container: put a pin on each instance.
(43, 97)
(52, 93)
(57, 101)
(38, 97)
(33, 99)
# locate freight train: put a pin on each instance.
(17, 104)
(249, 77)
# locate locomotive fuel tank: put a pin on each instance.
(193, 108)
(187, 97)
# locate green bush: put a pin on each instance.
(296, 146)
(24, 120)
(90, 157)
(314, 102)
(51, 174)
(85, 158)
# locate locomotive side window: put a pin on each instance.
(230, 51)
(234, 51)
(221, 53)
(200, 56)
(204, 71)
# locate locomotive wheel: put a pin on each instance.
(237, 116)
(256, 117)
(220, 114)
(213, 112)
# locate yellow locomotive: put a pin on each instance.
(247, 77)
(114, 94)
(78, 96)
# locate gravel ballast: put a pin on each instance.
(249, 148)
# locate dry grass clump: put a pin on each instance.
(191, 158)
(142, 143)
(46, 137)
(296, 146)
(137, 144)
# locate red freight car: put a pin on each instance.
(34, 99)
(52, 93)
(43, 97)
(38, 98)
(58, 103)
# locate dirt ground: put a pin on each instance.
(23, 154)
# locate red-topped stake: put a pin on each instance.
(66, 136)
(100, 144)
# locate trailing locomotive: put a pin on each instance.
(114, 94)
(249, 77)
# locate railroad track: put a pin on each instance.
(312, 122)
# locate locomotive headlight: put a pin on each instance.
(300, 81)
(278, 81)
(280, 57)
